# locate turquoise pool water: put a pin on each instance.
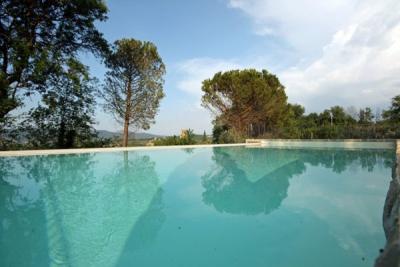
(226, 206)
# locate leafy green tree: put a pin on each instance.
(339, 115)
(36, 37)
(221, 133)
(336, 115)
(393, 114)
(248, 101)
(187, 137)
(297, 110)
(134, 84)
(9, 133)
(312, 119)
(64, 118)
(293, 121)
(204, 139)
(365, 116)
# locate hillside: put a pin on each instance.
(109, 134)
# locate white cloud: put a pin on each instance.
(360, 66)
(306, 25)
(195, 71)
(353, 48)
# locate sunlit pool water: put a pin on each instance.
(221, 206)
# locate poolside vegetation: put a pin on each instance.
(249, 103)
(48, 96)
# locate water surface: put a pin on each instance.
(226, 206)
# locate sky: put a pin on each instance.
(326, 53)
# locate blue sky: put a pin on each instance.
(344, 52)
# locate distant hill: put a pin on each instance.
(109, 134)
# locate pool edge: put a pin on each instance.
(21, 153)
(325, 143)
(390, 256)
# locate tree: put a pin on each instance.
(339, 115)
(37, 37)
(134, 84)
(336, 115)
(393, 114)
(297, 110)
(64, 118)
(293, 121)
(365, 116)
(187, 137)
(221, 133)
(248, 101)
(353, 112)
(204, 139)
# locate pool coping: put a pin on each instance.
(390, 256)
(329, 143)
(21, 153)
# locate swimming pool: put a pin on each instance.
(220, 206)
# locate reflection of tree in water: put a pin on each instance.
(188, 150)
(25, 183)
(84, 212)
(256, 180)
(339, 160)
(141, 171)
(232, 189)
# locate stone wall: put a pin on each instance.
(390, 256)
(324, 143)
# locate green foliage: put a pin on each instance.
(172, 141)
(222, 134)
(9, 134)
(393, 114)
(365, 116)
(204, 138)
(187, 138)
(134, 84)
(37, 37)
(64, 118)
(247, 101)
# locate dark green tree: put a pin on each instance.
(365, 116)
(293, 121)
(187, 137)
(248, 101)
(393, 114)
(37, 36)
(339, 115)
(134, 84)
(297, 110)
(204, 139)
(64, 118)
(221, 133)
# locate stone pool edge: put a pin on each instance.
(325, 143)
(391, 219)
(21, 153)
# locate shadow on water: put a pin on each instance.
(249, 181)
(254, 180)
(32, 230)
(340, 160)
(76, 210)
(144, 231)
(21, 244)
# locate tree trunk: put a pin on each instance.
(126, 132)
(61, 135)
(127, 114)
